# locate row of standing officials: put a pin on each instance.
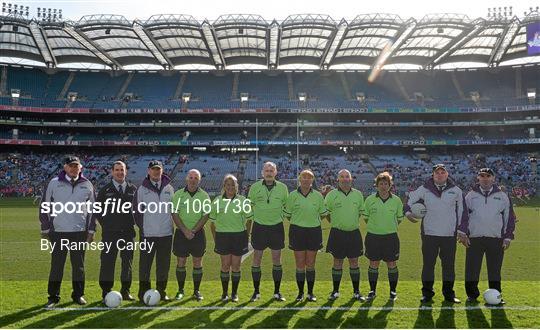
(482, 220)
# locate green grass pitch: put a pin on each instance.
(24, 270)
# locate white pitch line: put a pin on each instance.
(293, 308)
(401, 241)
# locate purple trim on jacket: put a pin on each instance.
(477, 188)
(464, 225)
(407, 208)
(430, 185)
(62, 177)
(511, 225)
(137, 216)
(46, 220)
(165, 180)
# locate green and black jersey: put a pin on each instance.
(345, 209)
(268, 202)
(383, 216)
(305, 210)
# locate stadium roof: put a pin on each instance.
(250, 41)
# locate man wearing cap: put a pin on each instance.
(489, 230)
(445, 209)
(117, 229)
(155, 227)
(70, 186)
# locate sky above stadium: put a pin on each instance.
(273, 9)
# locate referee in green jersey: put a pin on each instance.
(268, 197)
(304, 208)
(229, 214)
(383, 211)
(189, 216)
(345, 205)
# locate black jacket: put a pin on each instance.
(114, 221)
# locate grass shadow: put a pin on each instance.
(380, 320)
(13, 318)
(476, 317)
(281, 318)
(360, 320)
(446, 316)
(424, 319)
(499, 319)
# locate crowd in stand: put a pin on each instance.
(23, 175)
(513, 172)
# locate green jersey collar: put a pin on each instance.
(345, 193)
(383, 200)
(300, 191)
(192, 193)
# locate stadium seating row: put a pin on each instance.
(437, 88)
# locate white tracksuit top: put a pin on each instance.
(444, 211)
(489, 216)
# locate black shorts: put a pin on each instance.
(267, 236)
(231, 243)
(183, 247)
(382, 247)
(345, 244)
(305, 238)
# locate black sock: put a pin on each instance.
(355, 278)
(336, 278)
(197, 277)
(310, 279)
(393, 275)
(225, 282)
(181, 277)
(373, 275)
(256, 275)
(277, 274)
(235, 281)
(300, 280)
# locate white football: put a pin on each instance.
(113, 299)
(492, 297)
(418, 210)
(151, 297)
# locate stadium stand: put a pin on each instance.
(496, 87)
(403, 121)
